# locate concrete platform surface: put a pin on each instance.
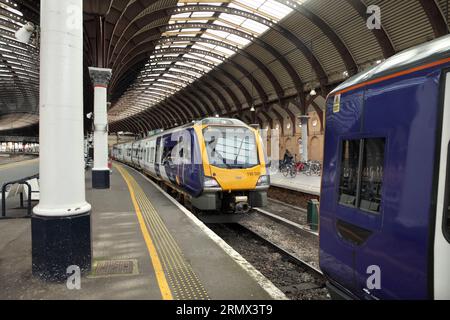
(144, 247)
(301, 183)
(18, 170)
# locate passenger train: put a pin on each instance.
(384, 210)
(216, 166)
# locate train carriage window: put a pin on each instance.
(362, 169)
(349, 172)
(372, 174)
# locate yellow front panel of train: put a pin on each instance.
(237, 179)
(229, 178)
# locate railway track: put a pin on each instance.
(290, 256)
(298, 279)
(286, 222)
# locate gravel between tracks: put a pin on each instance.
(293, 280)
(287, 212)
(302, 245)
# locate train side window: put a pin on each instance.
(372, 174)
(348, 185)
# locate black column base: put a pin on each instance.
(58, 243)
(100, 179)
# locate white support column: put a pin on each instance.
(100, 173)
(61, 222)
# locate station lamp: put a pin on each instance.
(24, 34)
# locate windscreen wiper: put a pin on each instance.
(223, 159)
(239, 152)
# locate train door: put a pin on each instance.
(158, 157)
(168, 166)
(192, 167)
(360, 192)
(442, 231)
(338, 196)
(395, 188)
(181, 152)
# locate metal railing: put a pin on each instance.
(23, 181)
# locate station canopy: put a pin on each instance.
(199, 36)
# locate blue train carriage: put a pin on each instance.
(216, 165)
(385, 222)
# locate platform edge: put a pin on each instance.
(260, 279)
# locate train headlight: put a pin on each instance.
(211, 183)
(263, 181)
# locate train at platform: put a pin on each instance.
(385, 201)
(216, 166)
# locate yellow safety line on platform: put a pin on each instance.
(183, 281)
(156, 262)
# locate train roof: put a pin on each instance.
(222, 121)
(426, 55)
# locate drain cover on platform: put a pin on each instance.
(110, 268)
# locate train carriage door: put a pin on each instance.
(395, 192)
(181, 155)
(339, 189)
(157, 160)
(442, 229)
(185, 156)
(168, 166)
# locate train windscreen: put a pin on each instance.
(231, 147)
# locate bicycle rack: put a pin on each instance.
(22, 181)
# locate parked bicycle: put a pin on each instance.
(289, 170)
(312, 168)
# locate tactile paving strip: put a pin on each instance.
(182, 279)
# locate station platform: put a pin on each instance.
(301, 183)
(10, 171)
(145, 247)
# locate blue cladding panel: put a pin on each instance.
(404, 111)
(193, 172)
(187, 176)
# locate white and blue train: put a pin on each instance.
(214, 165)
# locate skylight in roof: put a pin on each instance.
(208, 38)
(20, 62)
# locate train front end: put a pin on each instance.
(234, 165)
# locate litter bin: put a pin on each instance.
(313, 214)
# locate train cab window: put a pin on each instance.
(349, 172)
(372, 174)
(231, 147)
